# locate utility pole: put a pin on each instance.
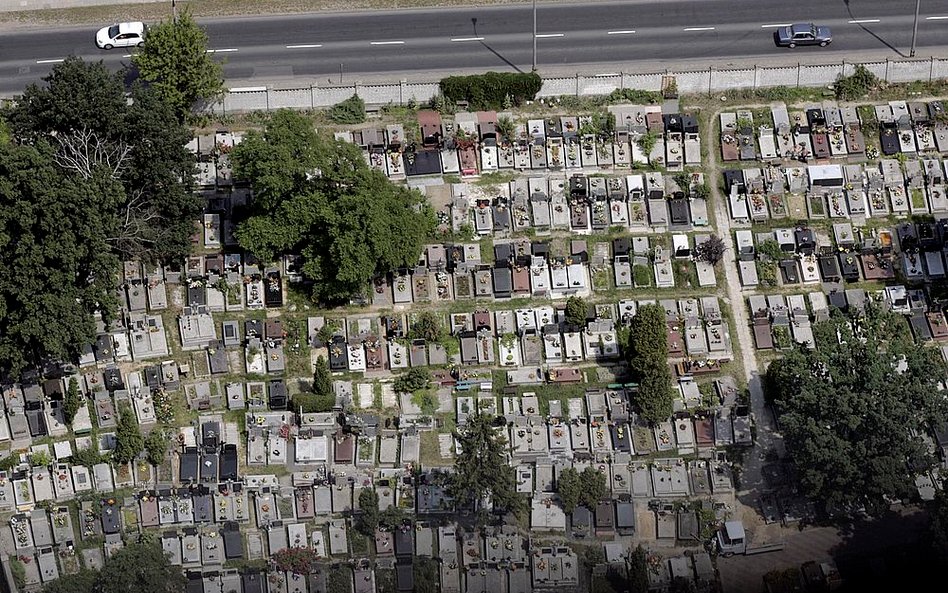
(534, 35)
(918, 4)
(174, 12)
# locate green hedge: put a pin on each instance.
(491, 90)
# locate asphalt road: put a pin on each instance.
(312, 47)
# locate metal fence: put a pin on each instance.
(692, 81)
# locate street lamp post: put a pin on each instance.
(918, 4)
(534, 34)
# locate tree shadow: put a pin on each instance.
(892, 552)
(862, 26)
(492, 50)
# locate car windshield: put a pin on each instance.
(113, 31)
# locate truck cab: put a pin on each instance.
(732, 539)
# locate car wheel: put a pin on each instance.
(108, 46)
(824, 43)
(141, 44)
(792, 45)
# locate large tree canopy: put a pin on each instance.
(176, 62)
(648, 358)
(57, 268)
(87, 178)
(481, 469)
(852, 411)
(136, 568)
(317, 196)
(83, 113)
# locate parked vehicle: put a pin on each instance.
(732, 539)
(803, 34)
(121, 35)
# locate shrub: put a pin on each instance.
(313, 402)
(350, 111)
(857, 85)
(296, 560)
(492, 89)
(414, 380)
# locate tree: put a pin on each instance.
(73, 401)
(638, 570)
(140, 568)
(481, 470)
(712, 250)
(576, 311)
(648, 359)
(367, 521)
(138, 144)
(83, 581)
(128, 438)
(593, 486)
(322, 377)
(176, 63)
(569, 488)
(318, 197)
(156, 445)
(938, 527)
(427, 326)
(416, 379)
(57, 267)
(392, 517)
(853, 408)
(425, 575)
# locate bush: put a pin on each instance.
(296, 560)
(313, 402)
(350, 111)
(414, 380)
(857, 85)
(492, 89)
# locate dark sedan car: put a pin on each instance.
(803, 34)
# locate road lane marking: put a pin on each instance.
(127, 56)
(463, 39)
(304, 46)
(861, 21)
(56, 61)
(936, 18)
(699, 28)
(777, 25)
(620, 32)
(220, 51)
(548, 35)
(387, 43)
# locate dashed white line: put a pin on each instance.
(936, 18)
(127, 56)
(698, 29)
(220, 51)
(386, 43)
(304, 46)
(56, 61)
(629, 32)
(548, 35)
(777, 25)
(463, 39)
(861, 21)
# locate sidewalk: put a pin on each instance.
(20, 5)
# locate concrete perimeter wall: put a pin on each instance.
(704, 81)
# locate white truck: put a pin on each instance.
(732, 539)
